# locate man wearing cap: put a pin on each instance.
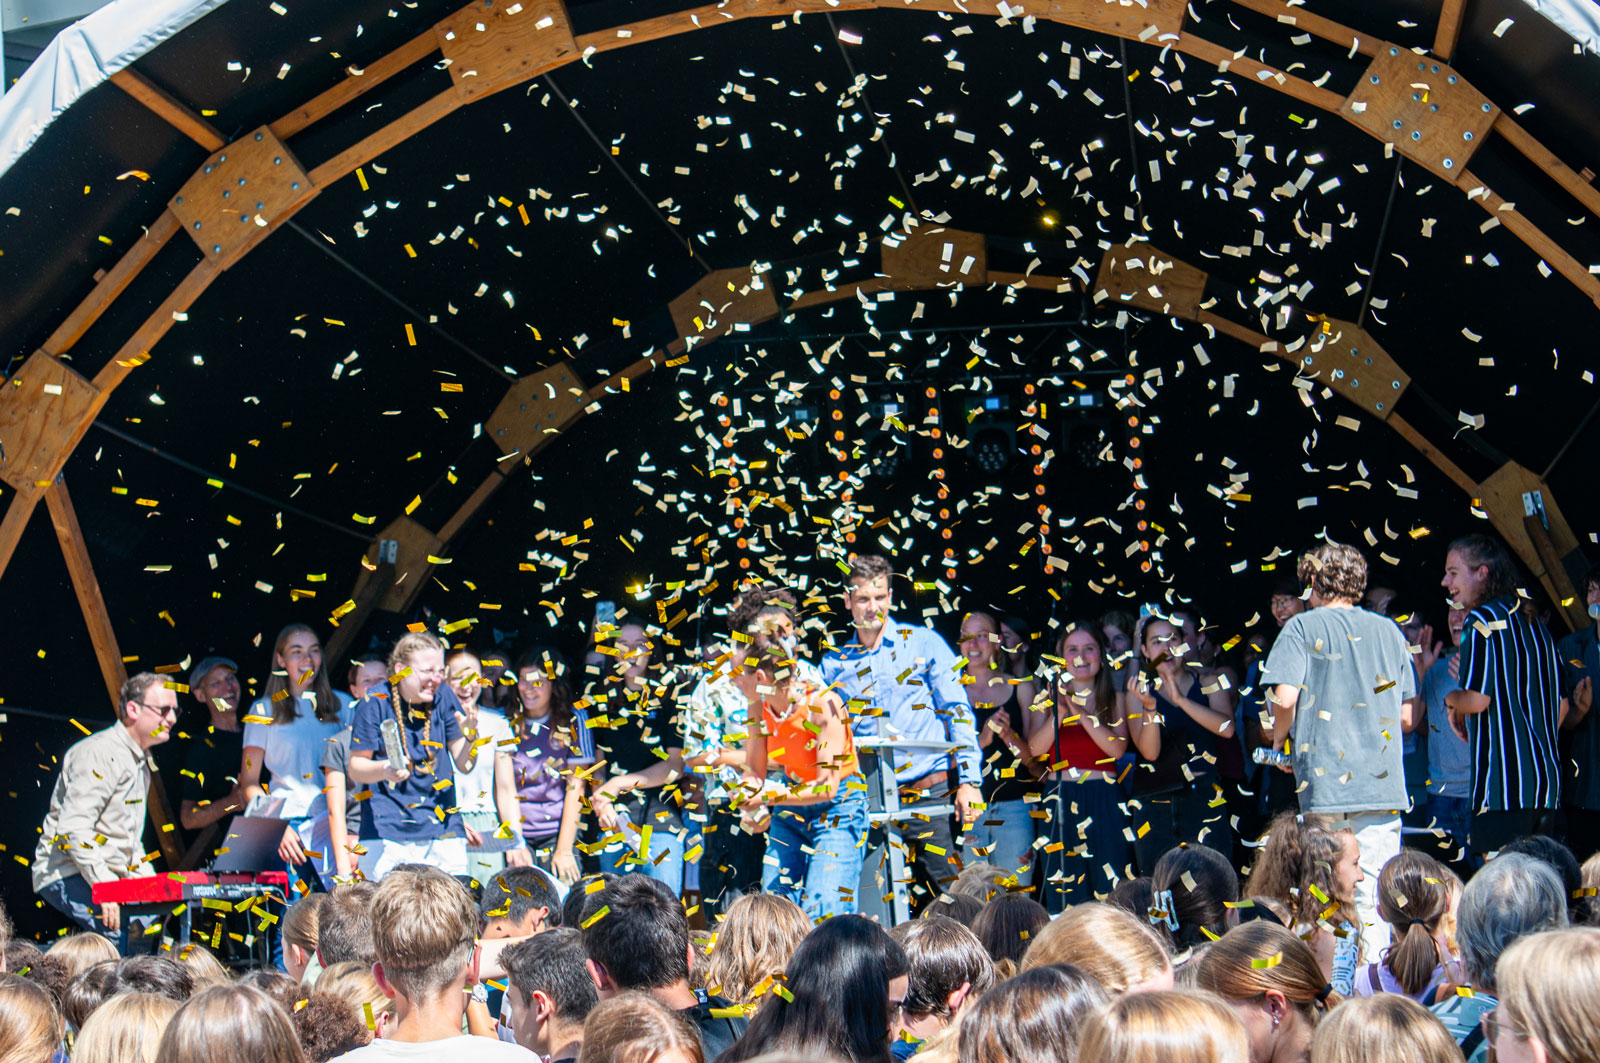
(211, 768)
(94, 831)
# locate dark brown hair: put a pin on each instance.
(329, 1026)
(1007, 925)
(869, 567)
(1202, 883)
(1485, 551)
(1038, 1015)
(944, 956)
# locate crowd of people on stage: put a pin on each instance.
(1370, 833)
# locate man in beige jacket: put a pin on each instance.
(95, 829)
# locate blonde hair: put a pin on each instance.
(202, 965)
(754, 942)
(1170, 1026)
(1386, 1026)
(1249, 960)
(125, 1029)
(30, 1025)
(79, 952)
(354, 983)
(1104, 942)
(409, 644)
(1548, 983)
(230, 1024)
(303, 921)
(423, 926)
(636, 1028)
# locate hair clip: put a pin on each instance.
(1163, 911)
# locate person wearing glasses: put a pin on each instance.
(94, 831)
(411, 816)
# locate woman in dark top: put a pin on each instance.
(1004, 832)
(1175, 730)
(634, 723)
(1082, 733)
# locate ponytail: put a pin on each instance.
(1413, 896)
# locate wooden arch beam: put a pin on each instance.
(492, 45)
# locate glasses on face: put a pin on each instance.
(159, 710)
(1493, 1025)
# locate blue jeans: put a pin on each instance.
(1453, 815)
(824, 880)
(664, 861)
(1005, 832)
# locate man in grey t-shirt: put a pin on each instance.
(1345, 689)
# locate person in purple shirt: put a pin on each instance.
(903, 681)
(408, 817)
(553, 743)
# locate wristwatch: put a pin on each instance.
(480, 993)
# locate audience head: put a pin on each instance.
(1286, 600)
(364, 673)
(1386, 1026)
(636, 1028)
(1085, 669)
(1274, 984)
(982, 880)
(754, 942)
(1135, 896)
(297, 669)
(79, 952)
(1302, 852)
(87, 992)
(1007, 926)
(344, 925)
(642, 941)
(1108, 944)
(1563, 863)
(949, 968)
(230, 1024)
(151, 974)
(1511, 897)
(839, 983)
(279, 987)
(579, 894)
(125, 1029)
(301, 926)
(1192, 886)
(202, 964)
(1548, 985)
(30, 1026)
(328, 1027)
(1116, 627)
(423, 929)
(7, 931)
(1414, 895)
(551, 993)
(517, 902)
(962, 907)
(1036, 1016)
(1167, 1026)
(355, 984)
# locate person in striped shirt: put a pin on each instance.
(1509, 707)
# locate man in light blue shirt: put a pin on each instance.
(904, 681)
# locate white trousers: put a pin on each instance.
(447, 854)
(1379, 836)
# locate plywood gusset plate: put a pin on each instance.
(232, 201)
(1424, 108)
(42, 408)
(721, 300)
(494, 44)
(1147, 278)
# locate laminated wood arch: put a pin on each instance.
(491, 45)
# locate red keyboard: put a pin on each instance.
(188, 885)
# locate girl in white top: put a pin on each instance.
(486, 795)
(284, 732)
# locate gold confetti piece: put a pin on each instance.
(411, 335)
(1267, 963)
(600, 913)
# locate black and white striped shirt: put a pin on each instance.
(1508, 654)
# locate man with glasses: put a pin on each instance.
(94, 831)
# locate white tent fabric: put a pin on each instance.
(81, 57)
(1580, 18)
